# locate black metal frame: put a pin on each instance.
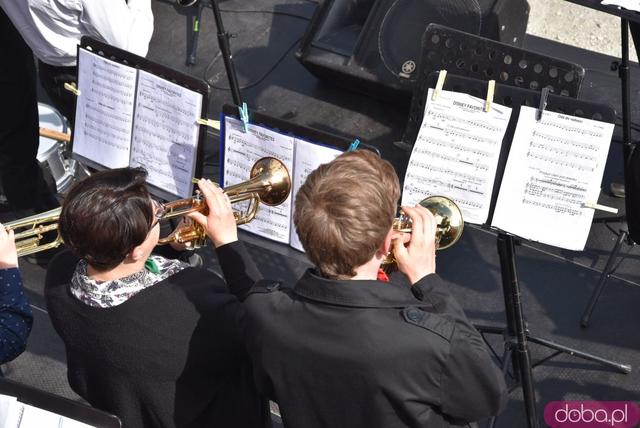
(225, 50)
(628, 146)
(137, 62)
(516, 333)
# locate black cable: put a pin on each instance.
(252, 84)
(273, 12)
(260, 79)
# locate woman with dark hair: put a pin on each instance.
(149, 339)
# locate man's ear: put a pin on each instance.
(387, 244)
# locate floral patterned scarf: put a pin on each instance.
(106, 294)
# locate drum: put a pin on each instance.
(51, 152)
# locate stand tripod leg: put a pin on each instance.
(516, 326)
(606, 273)
(506, 360)
(622, 368)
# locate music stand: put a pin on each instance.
(60, 405)
(516, 333)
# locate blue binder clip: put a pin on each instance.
(354, 145)
(244, 116)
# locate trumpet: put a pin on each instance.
(449, 225)
(269, 183)
(30, 232)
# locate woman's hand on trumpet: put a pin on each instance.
(8, 253)
(417, 259)
(219, 224)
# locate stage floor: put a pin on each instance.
(555, 283)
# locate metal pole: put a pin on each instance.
(513, 306)
(225, 50)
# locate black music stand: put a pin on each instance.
(516, 333)
(60, 405)
(629, 20)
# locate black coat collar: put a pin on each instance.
(355, 293)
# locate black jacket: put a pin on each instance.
(170, 356)
(369, 354)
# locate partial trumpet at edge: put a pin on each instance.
(36, 233)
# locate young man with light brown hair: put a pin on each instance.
(342, 348)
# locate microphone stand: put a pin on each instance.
(225, 50)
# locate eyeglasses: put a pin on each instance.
(159, 211)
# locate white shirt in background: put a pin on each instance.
(53, 28)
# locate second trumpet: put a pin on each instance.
(269, 183)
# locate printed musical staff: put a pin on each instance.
(456, 153)
(162, 134)
(241, 151)
(104, 115)
(165, 132)
(555, 166)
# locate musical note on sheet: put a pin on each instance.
(555, 166)
(165, 133)
(308, 157)
(104, 111)
(241, 151)
(456, 153)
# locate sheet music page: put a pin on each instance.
(456, 153)
(10, 411)
(165, 133)
(241, 151)
(34, 417)
(72, 423)
(627, 4)
(308, 157)
(554, 167)
(104, 110)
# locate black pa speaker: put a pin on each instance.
(374, 46)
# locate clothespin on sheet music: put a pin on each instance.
(491, 89)
(354, 145)
(600, 207)
(544, 95)
(244, 116)
(71, 87)
(439, 85)
(215, 124)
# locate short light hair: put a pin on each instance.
(344, 211)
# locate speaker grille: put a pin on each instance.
(405, 21)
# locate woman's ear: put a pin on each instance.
(136, 254)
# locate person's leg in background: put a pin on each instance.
(22, 178)
(52, 79)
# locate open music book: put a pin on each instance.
(126, 116)
(555, 167)
(242, 149)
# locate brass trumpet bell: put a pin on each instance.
(269, 183)
(29, 232)
(450, 225)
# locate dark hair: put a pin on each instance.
(106, 215)
(344, 210)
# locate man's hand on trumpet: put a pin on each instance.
(219, 224)
(8, 253)
(417, 259)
